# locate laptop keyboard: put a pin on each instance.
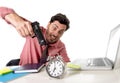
(96, 62)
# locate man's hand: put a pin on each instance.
(22, 26)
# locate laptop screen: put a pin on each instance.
(113, 44)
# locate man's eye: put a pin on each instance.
(60, 32)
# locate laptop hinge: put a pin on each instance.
(109, 62)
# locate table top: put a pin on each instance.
(72, 76)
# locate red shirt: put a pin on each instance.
(32, 50)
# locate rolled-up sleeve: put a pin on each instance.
(5, 11)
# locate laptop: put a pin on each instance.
(33, 68)
(111, 59)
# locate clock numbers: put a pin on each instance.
(55, 68)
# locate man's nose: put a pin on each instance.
(56, 33)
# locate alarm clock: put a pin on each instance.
(56, 67)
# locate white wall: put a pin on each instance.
(91, 22)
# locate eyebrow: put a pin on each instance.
(57, 26)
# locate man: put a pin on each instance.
(32, 50)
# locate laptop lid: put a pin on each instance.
(113, 51)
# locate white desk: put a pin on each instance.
(71, 76)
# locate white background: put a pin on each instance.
(91, 22)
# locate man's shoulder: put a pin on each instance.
(61, 43)
(43, 28)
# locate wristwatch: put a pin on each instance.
(56, 67)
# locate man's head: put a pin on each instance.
(57, 25)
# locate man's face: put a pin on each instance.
(54, 31)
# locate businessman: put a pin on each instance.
(32, 50)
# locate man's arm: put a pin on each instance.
(21, 25)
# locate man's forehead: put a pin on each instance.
(59, 25)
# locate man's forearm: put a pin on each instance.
(22, 25)
(10, 16)
(14, 19)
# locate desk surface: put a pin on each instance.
(72, 76)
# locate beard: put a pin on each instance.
(51, 38)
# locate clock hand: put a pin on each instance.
(54, 69)
(54, 66)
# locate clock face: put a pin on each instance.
(55, 68)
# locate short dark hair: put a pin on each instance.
(61, 18)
